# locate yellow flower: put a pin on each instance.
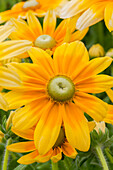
(39, 8)
(55, 91)
(55, 153)
(3, 102)
(92, 11)
(96, 51)
(96, 12)
(32, 34)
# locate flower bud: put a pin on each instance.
(96, 51)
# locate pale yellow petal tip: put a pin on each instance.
(101, 126)
(96, 51)
(110, 53)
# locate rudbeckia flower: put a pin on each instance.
(54, 91)
(96, 12)
(39, 8)
(55, 153)
(31, 33)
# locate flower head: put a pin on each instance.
(39, 8)
(91, 12)
(31, 33)
(54, 91)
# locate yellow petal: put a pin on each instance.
(44, 158)
(67, 57)
(48, 128)
(12, 48)
(110, 94)
(108, 16)
(34, 23)
(29, 158)
(76, 127)
(95, 84)
(49, 23)
(68, 150)
(57, 155)
(5, 31)
(93, 67)
(109, 116)
(91, 16)
(42, 58)
(26, 134)
(28, 116)
(22, 147)
(92, 105)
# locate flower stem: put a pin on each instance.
(54, 166)
(5, 161)
(101, 157)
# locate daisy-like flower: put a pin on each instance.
(31, 33)
(55, 153)
(92, 12)
(99, 10)
(54, 91)
(39, 8)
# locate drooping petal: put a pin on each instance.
(68, 57)
(68, 150)
(48, 128)
(79, 35)
(95, 84)
(108, 16)
(44, 158)
(49, 23)
(9, 49)
(57, 154)
(29, 115)
(29, 158)
(92, 105)
(76, 127)
(26, 134)
(22, 147)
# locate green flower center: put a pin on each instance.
(60, 139)
(61, 89)
(31, 4)
(45, 42)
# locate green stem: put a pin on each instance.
(5, 161)
(101, 157)
(101, 33)
(54, 166)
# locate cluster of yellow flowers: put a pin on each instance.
(52, 93)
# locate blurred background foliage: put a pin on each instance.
(89, 160)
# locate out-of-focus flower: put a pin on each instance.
(55, 91)
(31, 33)
(39, 8)
(96, 51)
